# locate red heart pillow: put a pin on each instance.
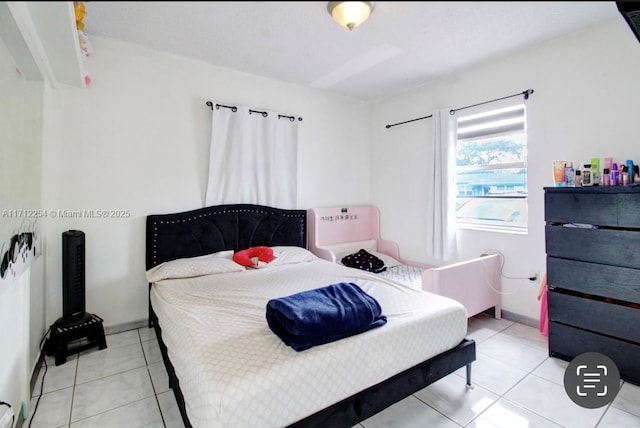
(244, 257)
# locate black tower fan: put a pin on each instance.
(73, 275)
(75, 323)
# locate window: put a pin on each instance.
(491, 169)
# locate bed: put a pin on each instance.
(335, 232)
(227, 368)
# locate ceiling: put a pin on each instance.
(401, 46)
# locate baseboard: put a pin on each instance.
(34, 375)
(32, 386)
(119, 328)
(520, 319)
(20, 421)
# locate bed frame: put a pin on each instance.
(476, 283)
(239, 226)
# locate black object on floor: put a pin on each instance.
(67, 337)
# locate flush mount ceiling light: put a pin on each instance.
(350, 14)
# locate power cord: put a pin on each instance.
(487, 280)
(13, 416)
(44, 360)
(503, 259)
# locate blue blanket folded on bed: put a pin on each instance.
(323, 315)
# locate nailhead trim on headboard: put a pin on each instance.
(275, 212)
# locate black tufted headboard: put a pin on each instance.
(222, 227)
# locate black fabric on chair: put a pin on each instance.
(364, 260)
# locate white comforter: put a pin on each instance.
(235, 372)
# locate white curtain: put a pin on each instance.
(441, 194)
(253, 159)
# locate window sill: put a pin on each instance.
(497, 229)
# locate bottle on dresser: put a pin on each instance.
(595, 171)
(606, 171)
(620, 172)
(606, 177)
(615, 175)
(569, 175)
(586, 175)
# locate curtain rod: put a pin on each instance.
(407, 121)
(263, 113)
(524, 93)
(453, 111)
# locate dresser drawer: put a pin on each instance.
(600, 317)
(567, 342)
(591, 278)
(615, 206)
(605, 246)
(578, 207)
(629, 210)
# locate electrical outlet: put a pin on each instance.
(534, 276)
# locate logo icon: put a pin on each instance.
(592, 380)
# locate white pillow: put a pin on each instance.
(220, 262)
(346, 248)
(290, 254)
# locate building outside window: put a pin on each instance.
(491, 169)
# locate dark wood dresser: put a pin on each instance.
(593, 273)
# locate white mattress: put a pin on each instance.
(408, 275)
(234, 371)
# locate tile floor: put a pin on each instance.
(516, 385)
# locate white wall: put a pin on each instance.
(137, 139)
(21, 301)
(586, 104)
(14, 372)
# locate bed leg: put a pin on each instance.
(469, 386)
(150, 317)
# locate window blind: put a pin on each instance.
(492, 123)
